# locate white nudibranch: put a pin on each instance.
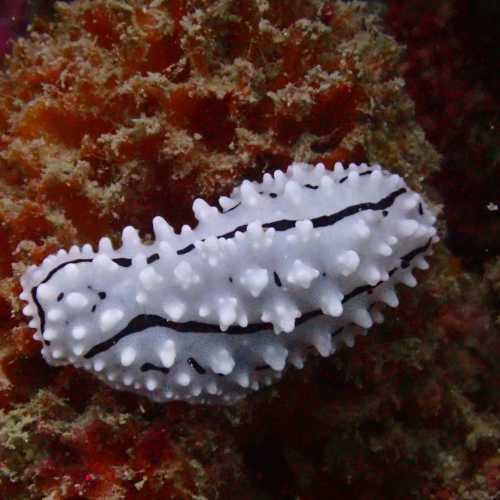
(303, 260)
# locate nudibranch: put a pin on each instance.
(302, 261)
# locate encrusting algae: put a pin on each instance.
(118, 111)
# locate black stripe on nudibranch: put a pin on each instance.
(196, 366)
(405, 259)
(144, 321)
(329, 220)
(152, 258)
(321, 221)
(368, 172)
(150, 366)
(123, 261)
(357, 291)
(232, 208)
(405, 262)
(39, 308)
(185, 250)
(277, 280)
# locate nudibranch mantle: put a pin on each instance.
(303, 260)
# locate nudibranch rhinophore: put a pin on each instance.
(303, 260)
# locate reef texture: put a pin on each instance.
(120, 111)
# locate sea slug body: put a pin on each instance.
(304, 259)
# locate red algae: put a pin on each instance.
(115, 112)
